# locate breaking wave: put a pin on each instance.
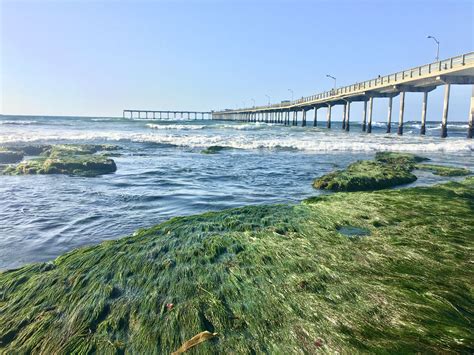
(310, 142)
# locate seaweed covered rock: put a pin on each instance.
(366, 175)
(443, 170)
(214, 149)
(398, 158)
(389, 169)
(27, 149)
(267, 279)
(71, 159)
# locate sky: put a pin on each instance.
(96, 58)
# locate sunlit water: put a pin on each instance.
(162, 173)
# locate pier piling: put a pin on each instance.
(423, 113)
(470, 129)
(364, 116)
(348, 114)
(402, 112)
(444, 120)
(371, 105)
(389, 115)
(328, 117)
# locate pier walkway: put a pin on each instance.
(457, 70)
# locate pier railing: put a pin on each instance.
(382, 81)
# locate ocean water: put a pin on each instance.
(162, 173)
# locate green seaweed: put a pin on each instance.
(73, 159)
(214, 149)
(267, 279)
(366, 175)
(388, 170)
(398, 158)
(443, 170)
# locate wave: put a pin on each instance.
(323, 142)
(178, 127)
(18, 122)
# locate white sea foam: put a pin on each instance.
(310, 142)
(18, 122)
(179, 127)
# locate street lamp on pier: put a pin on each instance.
(291, 94)
(268, 99)
(437, 46)
(333, 78)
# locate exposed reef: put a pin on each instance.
(70, 159)
(267, 279)
(444, 170)
(214, 149)
(389, 169)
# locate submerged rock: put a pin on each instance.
(71, 159)
(214, 149)
(444, 170)
(28, 149)
(9, 157)
(406, 289)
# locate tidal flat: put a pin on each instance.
(272, 279)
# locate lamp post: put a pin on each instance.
(268, 99)
(253, 100)
(292, 93)
(437, 46)
(333, 78)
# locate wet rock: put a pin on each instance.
(444, 170)
(366, 175)
(71, 159)
(214, 149)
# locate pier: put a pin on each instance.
(168, 115)
(457, 70)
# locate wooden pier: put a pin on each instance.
(457, 70)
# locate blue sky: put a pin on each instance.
(96, 58)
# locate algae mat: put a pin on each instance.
(271, 279)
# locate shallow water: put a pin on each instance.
(161, 173)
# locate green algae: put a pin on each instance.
(443, 170)
(366, 175)
(389, 169)
(398, 158)
(214, 149)
(267, 279)
(72, 159)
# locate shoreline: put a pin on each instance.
(265, 278)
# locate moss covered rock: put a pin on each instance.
(67, 159)
(398, 158)
(366, 175)
(268, 279)
(444, 170)
(214, 149)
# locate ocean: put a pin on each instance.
(161, 173)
